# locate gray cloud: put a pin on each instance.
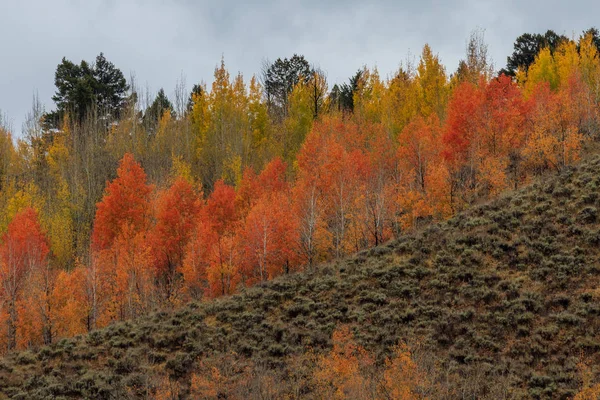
(160, 40)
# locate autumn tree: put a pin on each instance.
(542, 70)
(126, 201)
(418, 150)
(299, 120)
(368, 97)
(402, 377)
(432, 83)
(269, 239)
(343, 373)
(337, 159)
(23, 254)
(119, 268)
(401, 99)
(259, 146)
(199, 257)
(222, 273)
(229, 124)
(459, 140)
(553, 141)
(177, 210)
(69, 302)
(379, 188)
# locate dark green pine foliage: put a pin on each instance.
(110, 89)
(342, 96)
(81, 88)
(196, 91)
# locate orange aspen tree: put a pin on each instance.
(24, 250)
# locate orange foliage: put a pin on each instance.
(589, 390)
(402, 379)
(23, 253)
(119, 277)
(269, 239)
(176, 213)
(341, 373)
(70, 303)
(198, 258)
(418, 148)
(405, 155)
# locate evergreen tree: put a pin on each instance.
(196, 91)
(81, 87)
(347, 91)
(110, 89)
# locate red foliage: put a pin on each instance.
(460, 122)
(126, 202)
(220, 208)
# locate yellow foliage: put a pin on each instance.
(232, 169)
(369, 96)
(400, 102)
(181, 169)
(60, 225)
(58, 156)
(298, 121)
(566, 58)
(16, 199)
(543, 69)
(590, 65)
(432, 84)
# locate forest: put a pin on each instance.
(113, 206)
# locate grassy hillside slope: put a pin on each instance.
(503, 300)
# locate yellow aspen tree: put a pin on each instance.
(58, 219)
(566, 58)
(239, 133)
(590, 65)
(543, 69)
(199, 120)
(400, 100)
(432, 84)
(298, 122)
(368, 97)
(260, 147)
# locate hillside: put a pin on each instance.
(502, 299)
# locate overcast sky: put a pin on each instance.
(160, 41)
